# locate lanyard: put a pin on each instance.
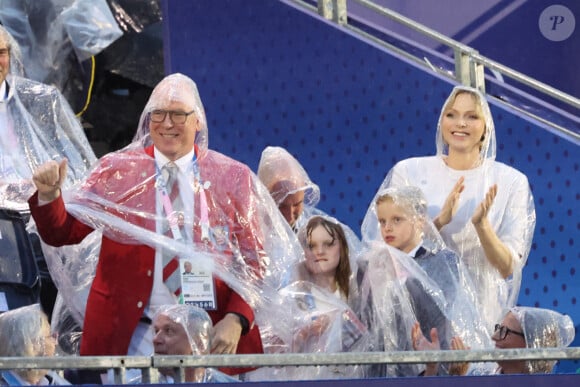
(203, 208)
(174, 219)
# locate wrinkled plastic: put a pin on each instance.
(283, 175)
(439, 263)
(135, 15)
(249, 245)
(512, 214)
(395, 293)
(195, 322)
(25, 332)
(40, 126)
(49, 31)
(320, 323)
(544, 328)
(313, 316)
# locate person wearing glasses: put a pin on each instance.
(521, 327)
(163, 200)
(25, 332)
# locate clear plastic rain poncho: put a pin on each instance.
(544, 328)
(394, 294)
(283, 175)
(438, 262)
(25, 332)
(512, 214)
(319, 320)
(350, 247)
(234, 228)
(37, 125)
(49, 30)
(197, 325)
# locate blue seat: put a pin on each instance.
(19, 274)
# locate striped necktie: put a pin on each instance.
(171, 276)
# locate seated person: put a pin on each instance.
(185, 330)
(521, 327)
(25, 332)
(291, 188)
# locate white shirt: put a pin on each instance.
(512, 217)
(142, 340)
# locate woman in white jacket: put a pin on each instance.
(483, 209)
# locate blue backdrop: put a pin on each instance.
(268, 74)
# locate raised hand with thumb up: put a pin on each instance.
(48, 179)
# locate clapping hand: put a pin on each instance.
(450, 206)
(482, 210)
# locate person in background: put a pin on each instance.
(521, 327)
(25, 332)
(483, 209)
(185, 330)
(293, 191)
(37, 124)
(164, 199)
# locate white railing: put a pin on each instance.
(469, 65)
(149, 365)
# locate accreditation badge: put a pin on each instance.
(197, 284)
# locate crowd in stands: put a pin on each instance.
(167, 247)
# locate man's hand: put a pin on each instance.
(450, 206)
(226, 335)
(48, 179)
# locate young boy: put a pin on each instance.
(405, 225)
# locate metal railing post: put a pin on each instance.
(325, 9)
(334, 10)
(339, 13)
(467, 70)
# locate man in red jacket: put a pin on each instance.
(222, 221)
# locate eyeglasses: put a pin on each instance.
(4, 51)
(176, 117)
(503, 332)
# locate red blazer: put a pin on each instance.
(118, 295)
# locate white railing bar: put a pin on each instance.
(534, 83)
(296, 359)
(555, 93)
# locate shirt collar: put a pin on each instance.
(183, 163)
(3, 91)
(413, 252)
